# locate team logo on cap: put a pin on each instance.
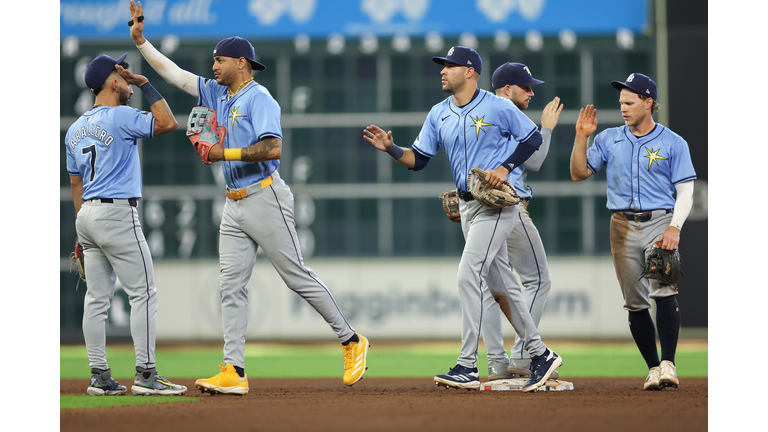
(450, 52)
(630, 78)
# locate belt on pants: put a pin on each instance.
(240, 193)
(132, 201)
(639, 216)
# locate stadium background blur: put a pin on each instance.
(336, 67)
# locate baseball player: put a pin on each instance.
(478, 129)
(105, 173)
(259, 211)
(525, 249)
(646, 165)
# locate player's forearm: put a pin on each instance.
(537, 158)
(270, 148)
(408, 159)
(165, 122)
(579, 169)
(683, 204)
(171, 73)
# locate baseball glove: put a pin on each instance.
(204, 131)
(77, 259)
(451, 205)
(662, 264)
(487, 196)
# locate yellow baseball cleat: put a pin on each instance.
(355, 354)
(226, 382)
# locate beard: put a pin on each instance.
(634, 121)
(124, 97)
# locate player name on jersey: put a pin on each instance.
(92, 130)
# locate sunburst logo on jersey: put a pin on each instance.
(653, 156)
(479, 125)
(235, 116)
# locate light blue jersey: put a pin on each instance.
(641, 172)
(249, 116)
(101, 147)
(520, 184)
(482, 133)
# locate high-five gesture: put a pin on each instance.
(551, 113)
(380, 139)
(586, 125)
(137, 18)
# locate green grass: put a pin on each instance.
(406, 360)
(85, 401)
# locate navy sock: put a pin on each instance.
(352, 339)
(644, 334)
(668, 321)
(240, 371)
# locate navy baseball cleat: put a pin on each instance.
(102, 384)
(542, 367)
(460, 377)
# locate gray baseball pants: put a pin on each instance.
(526, 254)
(631, 242)
(484, 270)
(265, 218)
(114, 246)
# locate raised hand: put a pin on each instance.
(130, 78)
(380, 139)
(551, 114)
(586, 125)
(137, 28)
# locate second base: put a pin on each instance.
(516, 384)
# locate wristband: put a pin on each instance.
(150, 93)
(233, 154)
(395, 151)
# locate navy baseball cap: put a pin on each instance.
(99, 69)
(513, 74)
(462, 56)
(638, 83)
(237, 47)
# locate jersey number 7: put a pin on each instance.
(92, 150)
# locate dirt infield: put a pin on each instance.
(396, 404)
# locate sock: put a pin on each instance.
(352, 339)
(668, 322)
(644, 334)
(240, 371)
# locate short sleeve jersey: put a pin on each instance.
(251, 115)
(483, 133)
(641, 172)
(101, 147)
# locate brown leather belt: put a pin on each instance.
(240, 193)
(639, 216)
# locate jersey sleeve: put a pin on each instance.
(205, 91)
(72, 168)
(427, 143)
(596, 155)
(135, 123)
(265, 117)
(682, 165)
(517, 124)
